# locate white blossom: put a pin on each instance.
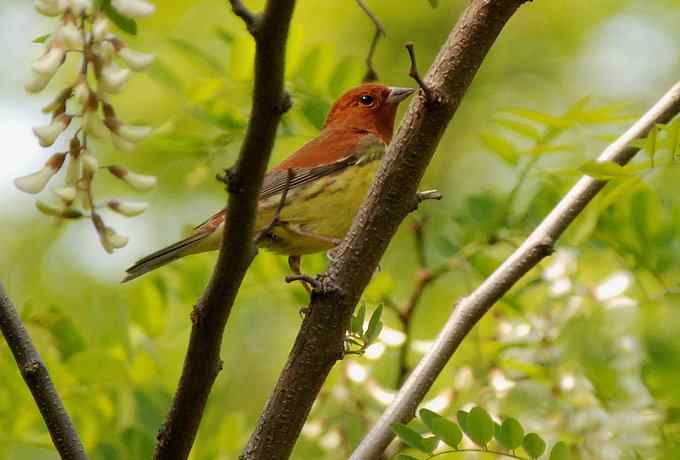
(127, 208)
(100, 28)
(134, 8)
(37, 83)
(122, 144)
(136, 60)
(113, 78)
(72, 36)
(139, 182)
(50, 61)
(94, 125)
(48, 134)
(67, 194)
(133, 133)
(36, 182)
(111, 241)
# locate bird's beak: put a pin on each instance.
(398, 94)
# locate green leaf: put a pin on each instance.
(673, 139)
(559, 148)
(41, 39)
(510, 434)
(534, 445)
(462, 416)
(374, 325)
(197, 54)
(443, 428)
(404, 457)
(413, 439)
(650, 143)
(314, 109)
(519, 127)
(480, 426)
(603, 170)
(539, 117)
(124, 23)
(560, 451)
(501, 146)
(357, 325)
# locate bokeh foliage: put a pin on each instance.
(585, 349)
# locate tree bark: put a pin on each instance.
(209, 317)
(392, 197)
(34, 372)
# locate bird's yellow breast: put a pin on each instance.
(325, 208)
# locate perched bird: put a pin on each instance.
(324, 184)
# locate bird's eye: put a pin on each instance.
(366, 100)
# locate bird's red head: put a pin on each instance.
(371, 107)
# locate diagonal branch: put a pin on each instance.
(34, 372)
(393, 195)
(473, 307)
(209, 317)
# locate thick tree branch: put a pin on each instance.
(537, 246)
(34, 372)
(202, 362)
(320, 340)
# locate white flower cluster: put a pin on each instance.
(84, 30)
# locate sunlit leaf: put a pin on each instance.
(357, 324)
(534, 445)
(525, 129)
(501, 146)
(510, 434)
(375, 325)
(413, 439)
(41, 39)
(603, 170)
(539, 117)
(560, 451)
(479, 426)
(443, 428)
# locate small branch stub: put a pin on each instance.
(250, 19)
(371, 74)
(413, 73)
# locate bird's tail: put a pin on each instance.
(166, 255)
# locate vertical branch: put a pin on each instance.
(202, 362)
(37, 378)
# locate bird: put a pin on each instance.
(307, 202)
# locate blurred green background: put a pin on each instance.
(585, 349)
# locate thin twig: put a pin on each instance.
(315, 283)
(202, 362)
(413, 72)
(473, 307)
(37, 378)
(277, 214)
(371, 74)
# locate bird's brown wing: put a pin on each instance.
(332, 151)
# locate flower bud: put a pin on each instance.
(133, 133)
(93, 125)
(50, 61)
(113, 78)
(73, 170)
(100, 28)
(136, 60)
(37, 83)
(67, 194)
(122, 144)
(138, 182)
(81, 92)
(134, 8)
(103, 50)
(59, 103)
(90, 166)
(49, 8)
(110, 240)
(48, 134)
(52, 210)
(127, 208)
(36, 182)
(81, 6)
(72, 36)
